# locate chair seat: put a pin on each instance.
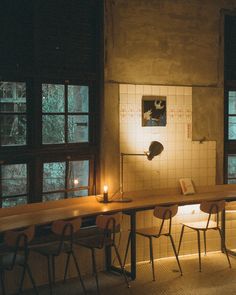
(94, 242)
(148, 231)
(201, 225)
(7, 258)
(51, 249)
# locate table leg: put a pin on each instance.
(133, 244)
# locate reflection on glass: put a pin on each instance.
(12, 202)
(78, 170)
(232, 127)
(13, 130)
(53, 129)
(78, 129)
(14, 179)
(232, 166)
(53, 98)
(54, 176)
(78, 98)
(53, 197)
(232, 102)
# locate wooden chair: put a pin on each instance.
(16, 254)
(213, 209)
(107, 224)
(165, 213)
(64, 230)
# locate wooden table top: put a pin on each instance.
(42, 213)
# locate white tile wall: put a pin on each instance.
(181, 157)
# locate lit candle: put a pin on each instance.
(105, 194)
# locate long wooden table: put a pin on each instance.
(42, 213)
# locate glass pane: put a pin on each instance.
(53, 129)
(53, 197)
(13, 130)
(232, 127)
(78, 129)
(12, 202)
(78, 98)
(53, 98)
(80, 193)
(14, 179)
(232, 166)
(78, 173)
(12, 97)
(231, 181)
(54, 176)
(232, 102)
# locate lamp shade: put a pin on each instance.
(155, 149)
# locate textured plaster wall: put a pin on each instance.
(165, 42)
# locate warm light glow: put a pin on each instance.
(76, 181)
(105, 188)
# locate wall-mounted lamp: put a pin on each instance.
(155, 149)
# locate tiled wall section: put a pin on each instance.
(181, 157)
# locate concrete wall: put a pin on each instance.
(166, 42)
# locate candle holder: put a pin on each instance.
(105, 197)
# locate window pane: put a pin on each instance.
(14, 179)
(53, 129)
(53, 197)
(54, 176)
(78, 173)
(232, 166)
(13, 130)
(232, 102)
(78, 98)
(53, 98)
(78, 128)
(80, 193)
(12, 97)
(232, 127)
(12, 202)
(231, 181)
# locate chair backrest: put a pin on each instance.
(65, 230)
(165, 213)
(66, 227)
(18, 240)
(109, 224)
(212, 207)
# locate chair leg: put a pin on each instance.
(180, 239)
(127, 249)
(53, 270)
(2, 282)
(22, 278)
(121, 266)
(32, 279)
(176, 254)
(49, 274)
(95, 269)
(67, 264)
(204, 235)
(79, 274)
(199, 250)
(224, 247)
(151, 258)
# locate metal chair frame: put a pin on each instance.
(166, 216)
(21, 245)
(214, 210)
(66, 238)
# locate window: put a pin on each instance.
(14, 187)
(12, 113)
(65, 111)
(65, 179)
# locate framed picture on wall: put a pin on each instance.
(154, 111)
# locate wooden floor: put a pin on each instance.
(216, 278)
